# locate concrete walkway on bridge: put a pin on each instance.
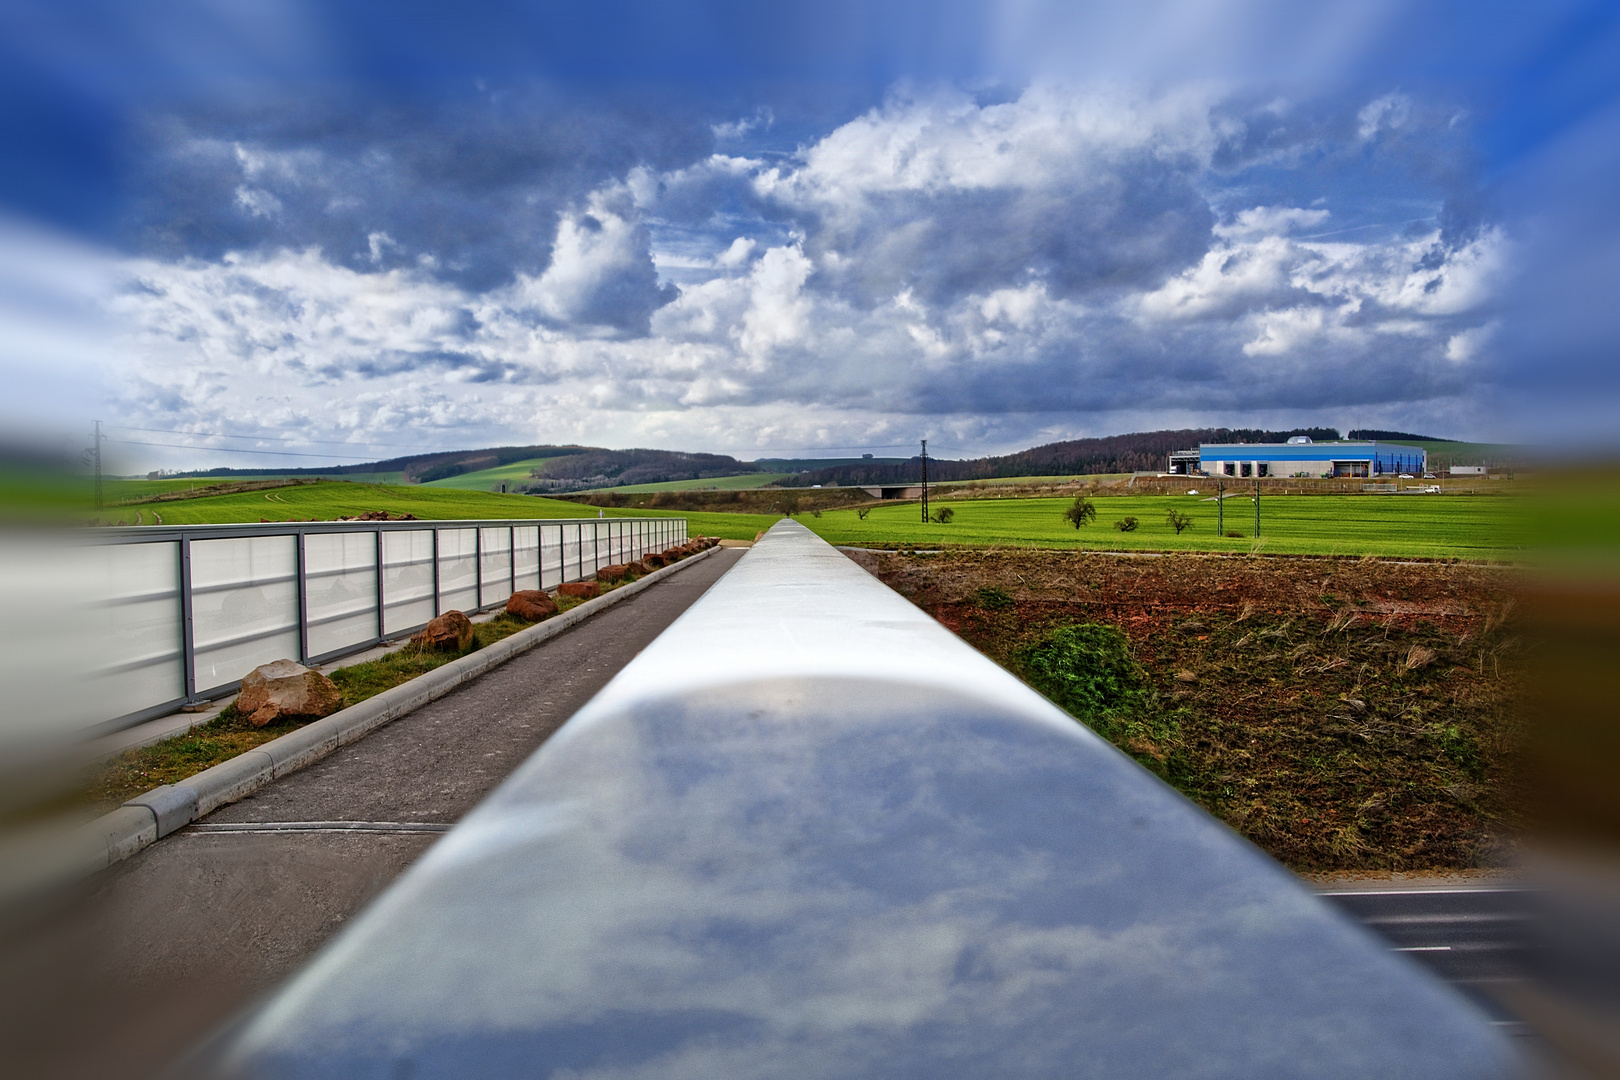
(170, 944)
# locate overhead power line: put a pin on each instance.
(233, 450)
(263, 438)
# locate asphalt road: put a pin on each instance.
(1477, 939)
(171, 943)
(1543, 963)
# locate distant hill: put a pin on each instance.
(1374, 433)
(567, 468)
(1137, 452)
(416, 468)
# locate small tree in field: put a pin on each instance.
(1081, 512)
(1177, 520)
(944, 514)
(1126, 524)
(862, 512)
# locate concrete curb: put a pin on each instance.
(148, 818)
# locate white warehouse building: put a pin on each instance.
(1300, 456)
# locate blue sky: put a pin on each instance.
(348, 230)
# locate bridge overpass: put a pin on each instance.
(808, 832)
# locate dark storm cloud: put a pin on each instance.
(469, 186)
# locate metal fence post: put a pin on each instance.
(301, 585)
(478, 568)
(436, 611)
(379, 536)
(511, 555)
(188, 636)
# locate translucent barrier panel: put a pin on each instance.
(526, 556)
(141, 662)
(90, 633)
(407, 580)
(617, 545)
(570, 553)
(551, 556)
(597, 534)
(495, 563)
(244, 606)
(340, 590)
(458, 569)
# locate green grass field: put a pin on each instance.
(1470, 527)
(333, 499)
(491, 479)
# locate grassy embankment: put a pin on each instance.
(1343, 716)
(517, 472)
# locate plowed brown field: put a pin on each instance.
(1341, 714)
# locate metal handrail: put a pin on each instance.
(810, 832)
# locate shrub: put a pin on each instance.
(944, 514)
(1177, 520)
(1126, 524)
(862, 512)
(1081, 512)
(1087, 668)
(992, 598)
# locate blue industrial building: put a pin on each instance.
(1300, 456)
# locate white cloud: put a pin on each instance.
(601, 271)
(258, 202)
(1466, 345)
(1270, 220)
(1389, 112)
(777, 308)
(737, 254)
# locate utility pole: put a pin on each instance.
(1220, 508)
(97, 452)
(925, 481)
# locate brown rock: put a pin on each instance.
(612, 573)
(284, 688)
(531, 604)
(673, 554)
(582, 589)
(654, 561)
(452, 632)
(637, 568)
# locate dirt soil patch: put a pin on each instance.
(1342, 714)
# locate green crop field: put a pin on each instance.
(328, 500)
(491, 479)
(716, 483)
(1428, 526)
